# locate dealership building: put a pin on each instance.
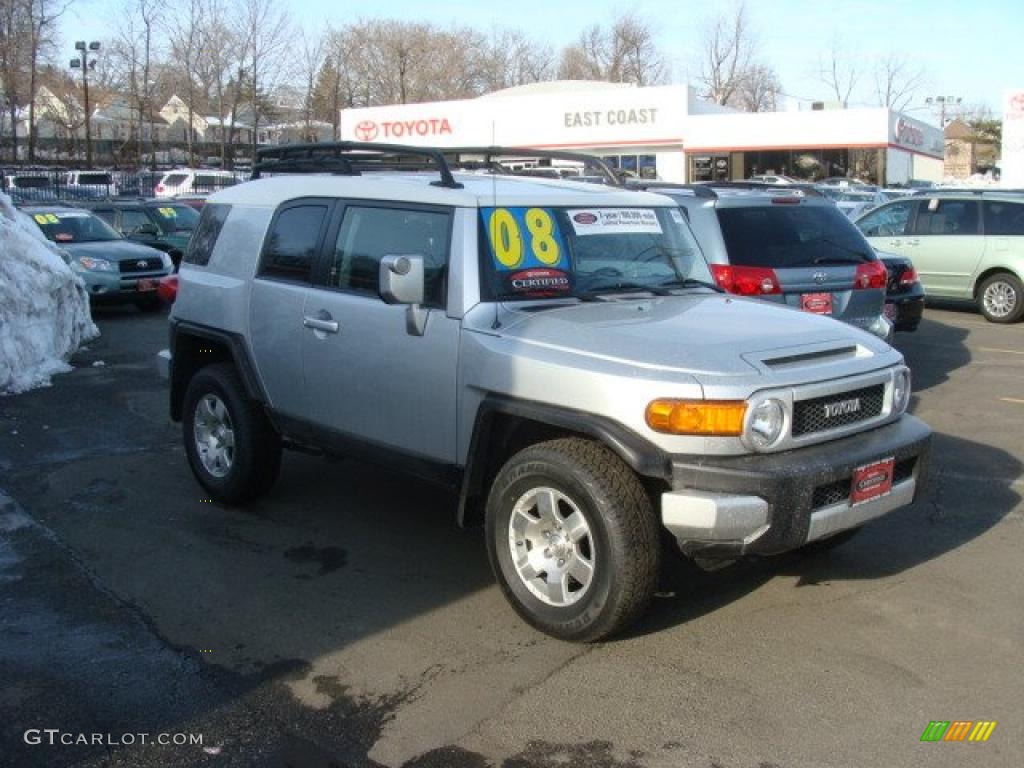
(666, 132)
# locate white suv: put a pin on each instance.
(188, 181)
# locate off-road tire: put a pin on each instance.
(624, 531)
(257, 446)
(1012, 286)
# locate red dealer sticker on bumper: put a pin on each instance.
(871, 481)
(816, 303)
(145, 284)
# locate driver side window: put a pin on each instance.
(888, 221)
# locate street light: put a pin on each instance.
(941, 102)
(83, 61)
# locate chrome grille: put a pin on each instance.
(811, 416)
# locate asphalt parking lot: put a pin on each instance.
(346, 621)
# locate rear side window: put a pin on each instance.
(781, 236)
(292, 242)
(210, 182)
(174, 179)
(200, 246)
(369, 234)
(1003, 218)
(947, 217)
(888, 221)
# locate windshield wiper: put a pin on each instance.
(692, 282)
(594, 294)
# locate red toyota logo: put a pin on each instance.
(366, 130)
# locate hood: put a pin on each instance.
(706, 336)
(112, 250)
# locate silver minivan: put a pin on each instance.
(790, 247)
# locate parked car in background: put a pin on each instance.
(25, 188)
(790, 247)
(114, 269)
(965, 245)
(162, 224)
(187, 181)
(841, 181)
(773, 179)
(904, 294)
(854, 201)
(88, 185)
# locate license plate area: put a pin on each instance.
(145, 284)
(872, 481)
(816, 303)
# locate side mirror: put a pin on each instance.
(402, 282)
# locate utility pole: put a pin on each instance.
(82, 60)
(941, 102)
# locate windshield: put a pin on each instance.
(177, 218)
(74, 227)
(572, 251)
(31, 182)
(781, 236)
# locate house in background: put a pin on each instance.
(966, 153)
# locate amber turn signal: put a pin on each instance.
(697, 417)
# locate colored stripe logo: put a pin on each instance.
(958, 730)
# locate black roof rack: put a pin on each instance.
(351, 158)
(488, 160)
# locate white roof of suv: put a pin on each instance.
(479, 190)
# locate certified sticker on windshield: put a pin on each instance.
(615, 221)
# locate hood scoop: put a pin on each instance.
(807, 355)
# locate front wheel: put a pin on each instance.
(1001, 298)
(232, 448)
(572, 539)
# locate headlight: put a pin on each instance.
(901, 390)
(767, 419)
(94, 265)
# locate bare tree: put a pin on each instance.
(311, 63)
(14, 56)
(41, 16)
(727, 55)
(510, 58)
(838, 72)
(626, 52)
(759, 89)
(897, 81)
(185, 30)
(268, 34)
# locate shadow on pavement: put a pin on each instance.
(933, 352)
(969, 490)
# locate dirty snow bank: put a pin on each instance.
(44, 309)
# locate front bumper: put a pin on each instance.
(116, 286)
(769, 503)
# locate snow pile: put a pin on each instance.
(44, 308)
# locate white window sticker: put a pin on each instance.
(615, 221)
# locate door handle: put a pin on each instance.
(319, 324)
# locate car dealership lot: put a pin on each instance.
(346, 618)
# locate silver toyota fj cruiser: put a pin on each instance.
(557, 353)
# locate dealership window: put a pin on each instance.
(640, 166)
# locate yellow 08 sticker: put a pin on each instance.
(40, 218)
(506, 239)
(505, 229)
(52, 219)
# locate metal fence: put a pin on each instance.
(46, 184)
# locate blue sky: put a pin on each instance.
(968, 49)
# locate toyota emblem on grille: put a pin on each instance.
(842, 408)
(819, 277)
(141, 263)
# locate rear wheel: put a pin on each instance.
(572, 539)
(232, 448)
(1001, 298)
